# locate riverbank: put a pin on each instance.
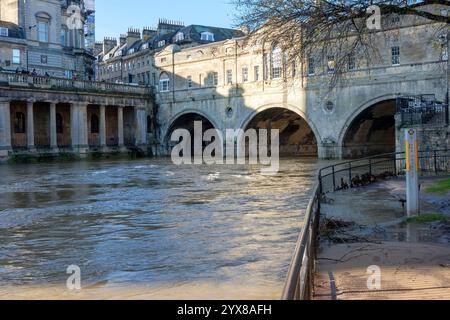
(368, 226)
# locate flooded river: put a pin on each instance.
(148, 229)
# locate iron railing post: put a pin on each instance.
(334, 180)
(435, 163)
(370, 166)
(350, 174)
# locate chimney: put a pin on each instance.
(168, 26)
(98, 48)
(148, 33)
(133, 35)
(109, 44)
(123, 39)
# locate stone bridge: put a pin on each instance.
(356, 118)
(50, 115)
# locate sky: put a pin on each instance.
(114, 17)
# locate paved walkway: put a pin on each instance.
(413, 259)
(408, 272)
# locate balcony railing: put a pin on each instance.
(62, 84)
(422, 110)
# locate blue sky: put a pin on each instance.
(114, 17)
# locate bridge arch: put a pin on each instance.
(298, 134)
(370, 129)
(185, 120)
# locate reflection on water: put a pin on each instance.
(149, 229)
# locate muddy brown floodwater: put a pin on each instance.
(149, 229)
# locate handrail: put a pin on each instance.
(300, 279)
(35, 81)
(297, 288)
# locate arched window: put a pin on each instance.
(277, 62)
(149, 124)
(95, 128)
(43, 26)
(59, 124)
(19, 123)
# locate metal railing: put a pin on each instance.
(364, 171)
(422, 110)
(299, 282)
(300, 279)
(64, 84)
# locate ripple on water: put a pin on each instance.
(151, 226)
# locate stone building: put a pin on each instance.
(131, 59)
(218, 76)
(45, 36)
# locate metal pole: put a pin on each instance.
(334, 180)
(435, 162)
(412, 174)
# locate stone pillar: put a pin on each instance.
(5, 128)
(120, 127)
(79, 127)
(103, 127)
(141, 126)
(30, 126)
(53, 133)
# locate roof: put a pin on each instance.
(14, 31)
(192, 34)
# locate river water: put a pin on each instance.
(148, 229)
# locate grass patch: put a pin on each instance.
(440, 187)
(428, 218)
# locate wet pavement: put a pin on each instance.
(371, 230)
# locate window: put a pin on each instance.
(95, 127)
(256, 73)
(16, 56)
(215, 78)
(179, 37)
(229, 76)
(311, 66)
(42, 29)
(163, 60)
(207, 36)
(3, 32)
(276, 62)
(331, 63)
(189, 81)
(395, 56)
(59, 124)
(244, 74)
(164, 83)
(19, 123)
(351, 63)
(444, 52)
(161, 43)
(63, 37)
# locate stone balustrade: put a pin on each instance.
(62, 84)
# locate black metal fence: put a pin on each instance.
(365, 171)
(422, 110)
(300, 279)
